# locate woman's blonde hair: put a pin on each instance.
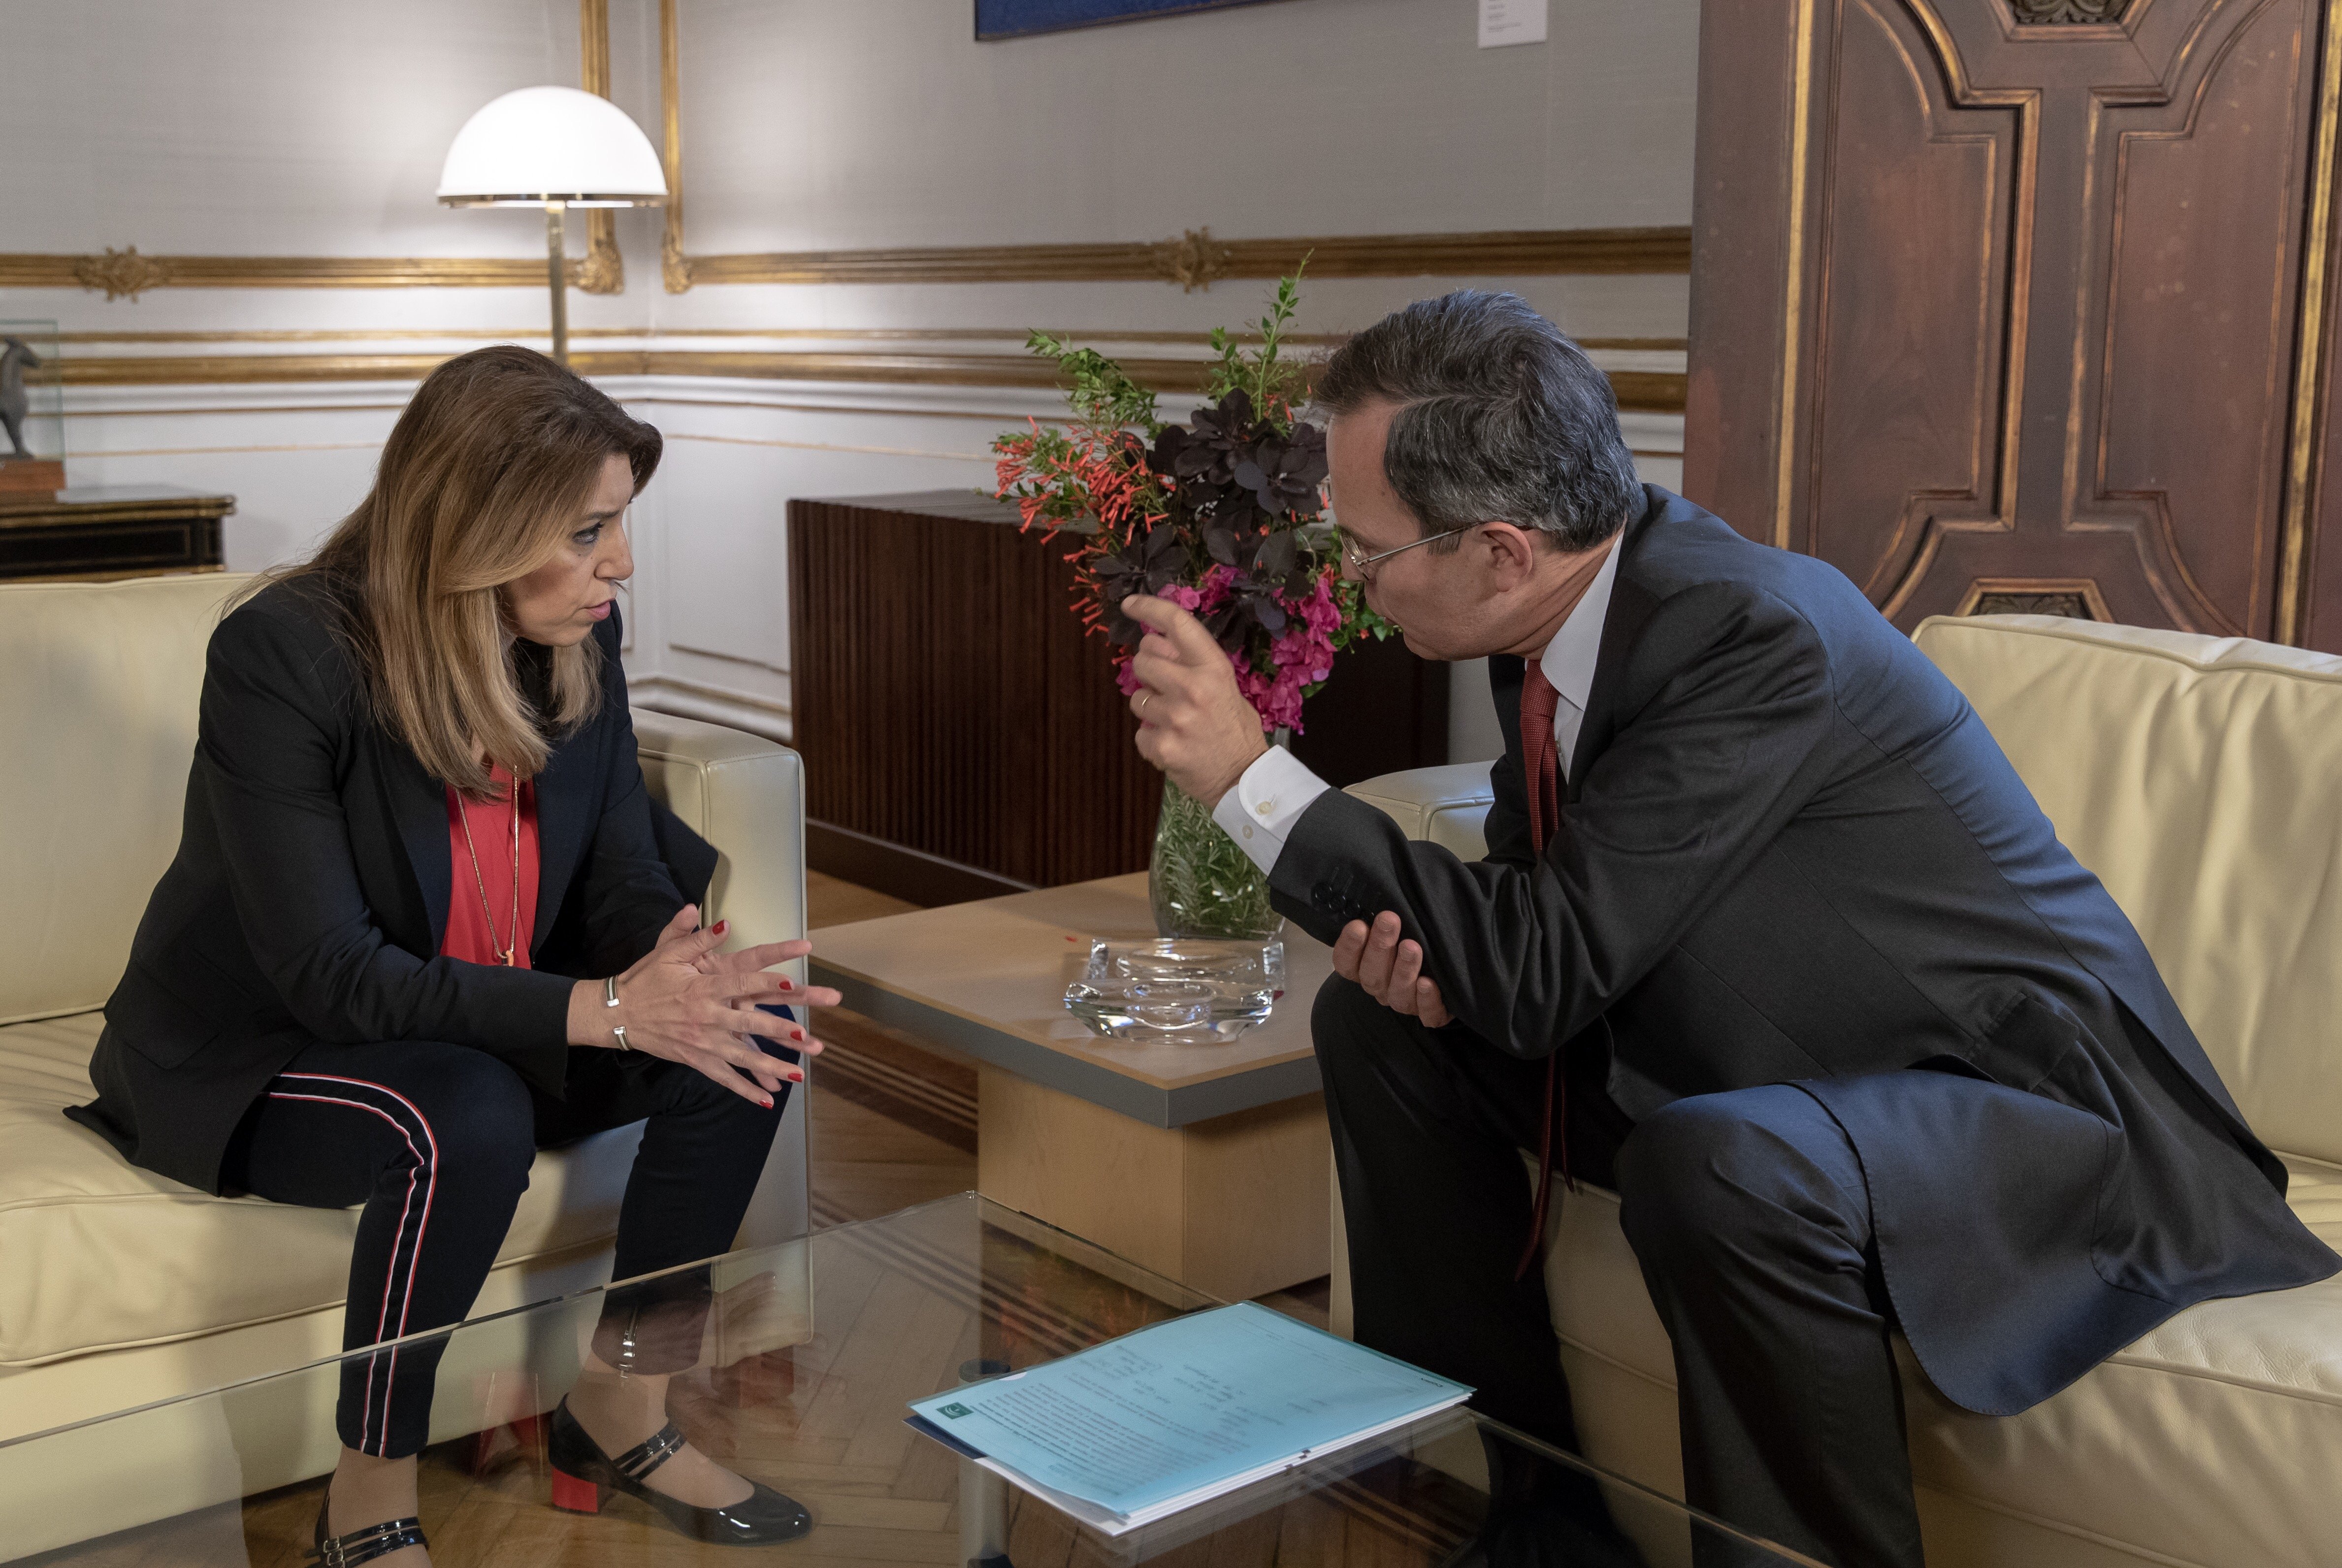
(481, 483)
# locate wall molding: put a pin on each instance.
(1195, 260)
(127, 274)
(1199, 340)
(671, 693)
(1638, 391)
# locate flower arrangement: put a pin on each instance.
(1224, 516)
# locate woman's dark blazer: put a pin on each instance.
(309, 894)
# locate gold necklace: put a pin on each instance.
(505, 950)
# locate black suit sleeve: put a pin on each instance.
(1724, 704)
(626, 890)
(279, 701)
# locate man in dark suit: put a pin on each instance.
(1770, 937)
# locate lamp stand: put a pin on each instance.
(556, 268)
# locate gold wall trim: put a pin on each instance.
(807, 334)
(126, 275)
(602, 270)
(1638, 391)
(674, 267)
(1197, 260)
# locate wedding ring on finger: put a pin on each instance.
(1144, 697)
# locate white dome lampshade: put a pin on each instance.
(540, 145)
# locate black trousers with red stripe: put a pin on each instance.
(436, 1140)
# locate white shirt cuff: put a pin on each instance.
(1260, 811)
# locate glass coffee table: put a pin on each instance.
(812, 1354)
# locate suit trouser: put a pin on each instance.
(436, 1141)
(1747, 1212)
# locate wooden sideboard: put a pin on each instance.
(963, 739)
(94, 534)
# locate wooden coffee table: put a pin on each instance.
(1205, 1162)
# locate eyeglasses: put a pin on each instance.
(1359, 563)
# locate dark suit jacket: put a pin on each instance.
(1793, 853)
(309, 894)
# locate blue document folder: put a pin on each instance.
(1141, 1426)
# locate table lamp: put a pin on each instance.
(553, 147)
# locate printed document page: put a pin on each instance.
(1184, 1410)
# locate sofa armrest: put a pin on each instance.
(1445, 805)
(746, 796)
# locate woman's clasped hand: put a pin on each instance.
(685, 1001)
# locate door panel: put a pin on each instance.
(1996, 303)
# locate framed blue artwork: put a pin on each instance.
(998, 19)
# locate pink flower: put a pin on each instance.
(1320, 608)
(1303, 653)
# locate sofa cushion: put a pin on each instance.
(1443, 805)
(101, 1254)
(99, 708)
(2201, 779)
(2210, 1441)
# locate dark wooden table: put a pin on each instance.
(97, 534)
(964, 740)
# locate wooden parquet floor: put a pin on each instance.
(891, 1124)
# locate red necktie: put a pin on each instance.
(1540, 760)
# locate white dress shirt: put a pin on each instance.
(1260, 811)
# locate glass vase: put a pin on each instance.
(1200, 881)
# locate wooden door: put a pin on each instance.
(2001, 304)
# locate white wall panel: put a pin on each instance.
(883, 123)
(296, 458)
(259, 126)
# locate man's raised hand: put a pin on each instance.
(1389, 970)
(1192, 722)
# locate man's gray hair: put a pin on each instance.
(1501, 419)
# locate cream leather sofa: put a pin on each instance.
(118, 1287)
(2201, 779)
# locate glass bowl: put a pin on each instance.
(1173, 988)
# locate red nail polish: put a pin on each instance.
(797, 1078)
(788, 985)
(796, 1034)
(722, 926)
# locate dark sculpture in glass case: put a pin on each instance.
(14, 405)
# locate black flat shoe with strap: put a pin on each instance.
(582, 1476)
(360, 1546)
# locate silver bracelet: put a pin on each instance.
(610, 999)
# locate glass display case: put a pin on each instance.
(32, 408)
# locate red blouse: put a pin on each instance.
(468, 923)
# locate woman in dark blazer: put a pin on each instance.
(425, 919)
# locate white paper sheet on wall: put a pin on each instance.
(1507, 21)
